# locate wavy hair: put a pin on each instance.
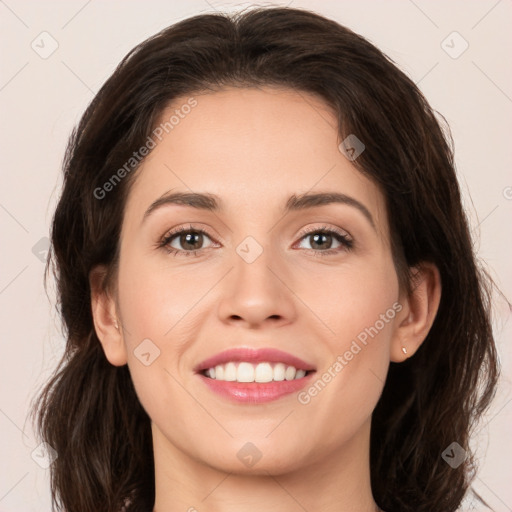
(89, 411)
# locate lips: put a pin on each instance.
(250, 355)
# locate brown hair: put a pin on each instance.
(89, 412)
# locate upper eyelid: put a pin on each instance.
(331, 229)
(180, 229)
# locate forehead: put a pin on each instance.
(252, 147)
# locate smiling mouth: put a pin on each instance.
(261, 372)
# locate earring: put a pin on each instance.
(404, 350)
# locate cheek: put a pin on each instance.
(360, 307)
(154, 303)
(355, 299)
(154, 297)
(159, 307)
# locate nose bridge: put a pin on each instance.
(255, 292)
(253, 275)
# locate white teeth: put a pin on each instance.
(290, 373)
(249, 372)
(245, 372)
(300, 374)
(263, 373)
(230, 373)
(279, 371)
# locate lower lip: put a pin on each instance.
(256, 392)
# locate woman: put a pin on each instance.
(267, 280)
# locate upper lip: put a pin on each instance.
(251, 355)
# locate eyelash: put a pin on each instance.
(342, 238)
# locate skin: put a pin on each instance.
(254, 148)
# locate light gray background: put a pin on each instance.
(41, 99)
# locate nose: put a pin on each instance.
(257, 293)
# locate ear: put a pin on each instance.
(418, 312)
(106, 320)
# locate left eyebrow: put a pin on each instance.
(310, 200)
(211, 202)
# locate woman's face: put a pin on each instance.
(263, 270)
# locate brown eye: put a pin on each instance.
(326, 241)
(185, 241)
(321, 241)
(191, 240)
